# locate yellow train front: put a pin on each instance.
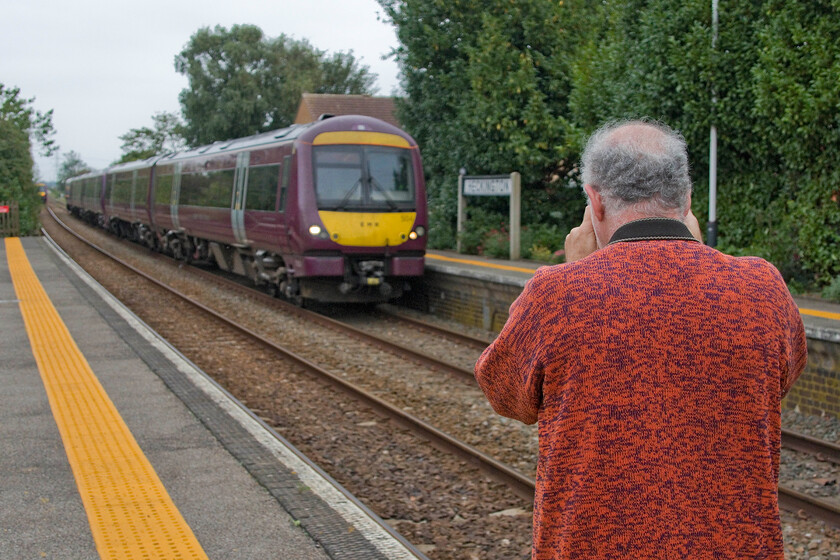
(358, 229)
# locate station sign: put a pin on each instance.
(488, 185)
(492, 185)
(4, 209)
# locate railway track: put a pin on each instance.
(234, 335)
(521, 484)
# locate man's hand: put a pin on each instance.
(581, 241)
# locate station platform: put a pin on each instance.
(113, 445)
(819, 316)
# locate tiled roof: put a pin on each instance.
(313, 105)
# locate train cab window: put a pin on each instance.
(363, 177)
(390, 175)
(262, 187)
(338, 175)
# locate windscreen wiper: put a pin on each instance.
(391, 204)
(341, 205)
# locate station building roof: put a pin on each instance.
(313, 105)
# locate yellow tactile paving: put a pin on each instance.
(130, 513)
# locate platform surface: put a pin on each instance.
(241, 491)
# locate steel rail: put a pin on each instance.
(338, 326)
(794, 501)
(435, 329)
(519, 483)
(823, 450)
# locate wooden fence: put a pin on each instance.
(9, 219)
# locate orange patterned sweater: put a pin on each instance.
(655, 369)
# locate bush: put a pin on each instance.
(832, 291)
(496, 244)
(541, 242)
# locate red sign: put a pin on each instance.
(4, 209)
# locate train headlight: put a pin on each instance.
(419, 231)
(319, 232)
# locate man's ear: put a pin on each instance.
(595, 201)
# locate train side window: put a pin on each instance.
(262, 187)
(141, 189)
(284, 185)
(163, 189)
(210, 189)
(122, 188)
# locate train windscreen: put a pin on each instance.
(369, 178)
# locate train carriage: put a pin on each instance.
(84, 199)
(330, 211)
(125, 200)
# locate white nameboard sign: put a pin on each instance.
(492, 185)
(495, 185)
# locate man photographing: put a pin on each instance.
(655, 367)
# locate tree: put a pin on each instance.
(16, 174)
(145, 142)
(71, 166)
(242, 82)
(797, 91)
(488, 87)
(498, 85)
(33, 123)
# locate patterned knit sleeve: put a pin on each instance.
(509, 370)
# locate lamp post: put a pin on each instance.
(711, 230)
(462, 211)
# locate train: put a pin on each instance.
(329, 211)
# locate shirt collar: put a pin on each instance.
(651, 229)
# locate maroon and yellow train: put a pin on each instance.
(332, 211)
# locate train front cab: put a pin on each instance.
(362, 206)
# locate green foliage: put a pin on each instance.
(166, 136)
(832, 291)
(543, 242)
(19, 112)
(487, 87)
(496, 86)
(71, 166)
(16, 174)
(242, 82)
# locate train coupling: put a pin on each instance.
(366, 273)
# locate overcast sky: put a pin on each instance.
(107, 67)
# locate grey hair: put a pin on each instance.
(645, 167)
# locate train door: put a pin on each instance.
(176, 193)
(240, 189)
(131, 213)
(265, 223)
